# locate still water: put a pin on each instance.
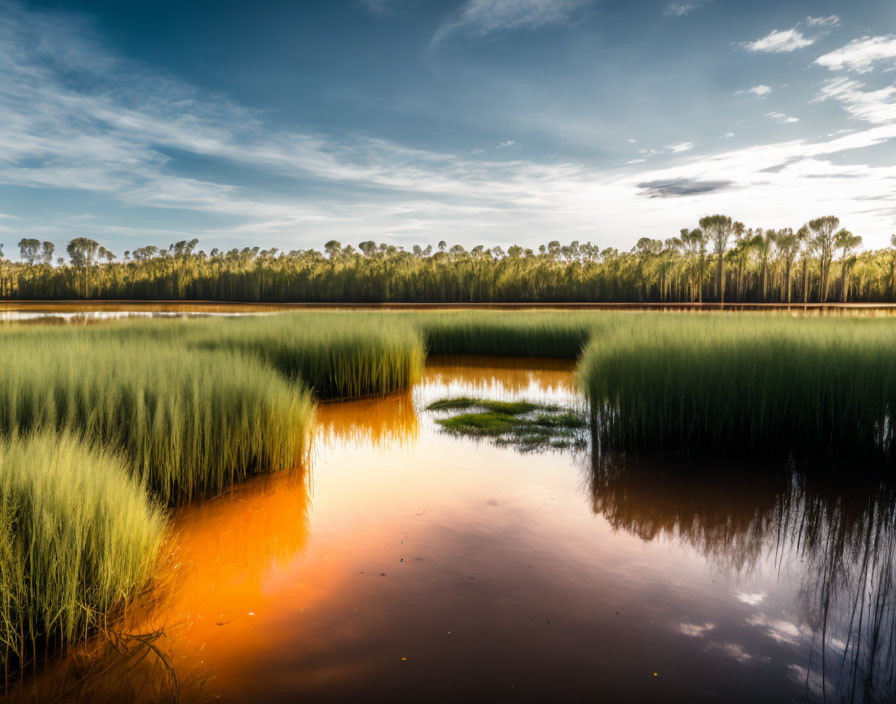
(409, 564)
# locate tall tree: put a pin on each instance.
(847, 243)
(48, 250)
(82, 251)
(824, 229)
(29, 249)
(718, 229)
(788, 246)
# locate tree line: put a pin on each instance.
(720, 260)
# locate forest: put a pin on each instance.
(719, 261)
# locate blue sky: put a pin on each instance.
(412, 121)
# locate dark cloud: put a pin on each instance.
(777, 168)
(680, 187)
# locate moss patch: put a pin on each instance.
(510, 408)
(526, 426)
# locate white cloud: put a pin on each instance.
(679, 147)
(481, 17)
(780, 41)
(729, 135)
(750, 598)
(860, 55)
(829, 21)
(696, 630)
(633, 141)
(56, 132)
(782, 118)
(760, 90)
(506, 143)
(636, 161)
(875, 106)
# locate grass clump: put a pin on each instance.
(526, 426)
(78, 536)
(190, 422)
(480, 423)
(536, 334)
(338, 355)
(511, 408)
(750, 385)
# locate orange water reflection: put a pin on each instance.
(408, 564)
(546, 380)
(383, 423)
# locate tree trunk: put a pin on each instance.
(721, 281)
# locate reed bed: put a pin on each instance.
(336, 354)
(190, 422)
(746, 385)
(535, 334)
(78, 536)
(339, 355)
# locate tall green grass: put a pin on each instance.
(535, 334)
(190, 422)
(78, 536)
(743, 384)
(336, 354)
(339, 355)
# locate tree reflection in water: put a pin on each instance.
(840, 531)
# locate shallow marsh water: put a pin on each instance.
(412, 564)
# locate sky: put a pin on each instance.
(493, 122)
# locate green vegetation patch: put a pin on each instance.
(562, 334)
(526, 426)
(190, 422)
(510, 408)
(746, 385)
(78, 536)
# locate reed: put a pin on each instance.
(339, 355)
(190, 422)
(745, 385)
(336, 354)
(78, 537)
(525, 334)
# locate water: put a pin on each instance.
(84, 314)
(410, 564)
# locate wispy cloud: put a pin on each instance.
(760, 90)
(861, 55)
(875, 106)
(506, 143)
(482, 17)
(75, 116)
(678, 8)
(780, 41)
(782, 118)
(829, 21)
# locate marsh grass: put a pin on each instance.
(190, 422)
(336, 354)
(339, 355)
(78, 536)
(535, 334)
(746, 385)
